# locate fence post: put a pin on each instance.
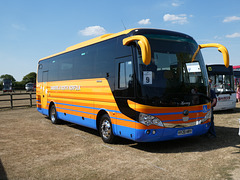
(11, 99)
(30, 99)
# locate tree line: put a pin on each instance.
(19, 85)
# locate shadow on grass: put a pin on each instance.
(120, 141)
(76, 126)
(226, 137)
(3, 174)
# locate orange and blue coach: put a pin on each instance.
(145, 85)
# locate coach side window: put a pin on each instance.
(40, 66)
(104, 62)
(125, 79)
(125, 74)
(53, 69)
(43, 66)
(83, 63)
(66, 70)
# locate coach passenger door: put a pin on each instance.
(44, 91)
(124, 86)
(124, 91)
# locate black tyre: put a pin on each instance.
(53, 115)
(105, 130)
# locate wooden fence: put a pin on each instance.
(17, 100)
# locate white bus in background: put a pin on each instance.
(223, 84)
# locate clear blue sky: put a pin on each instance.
(33, 29)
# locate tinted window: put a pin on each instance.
(125, 86)
(65, 69)
(42, 66)
(94, 61)
(172, 77)
(83, 63)
(45, 76)
(125, 74)
(121, 50)
(122, 78)
(53, 69)
(104, 62)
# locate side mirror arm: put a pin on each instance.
(221, 49)
(144, 45)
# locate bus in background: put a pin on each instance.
(236, 72)
(7, 85)
(133, 84)
(237, 68)
(223, 84)
(236, 78)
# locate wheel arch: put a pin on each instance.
(50, 105)
(99, 115)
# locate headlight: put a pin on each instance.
(208, 116)
(149, 120)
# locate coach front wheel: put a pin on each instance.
(53, 115)
(105, 129)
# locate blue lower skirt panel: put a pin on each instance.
(43, 111)
(170, 133)
(147, 135)
(91, 123)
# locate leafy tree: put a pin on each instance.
(19, 85)
(31, 77)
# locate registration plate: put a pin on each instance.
(184, 132)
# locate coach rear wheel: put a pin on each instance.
(53, 115)
(105, 129)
